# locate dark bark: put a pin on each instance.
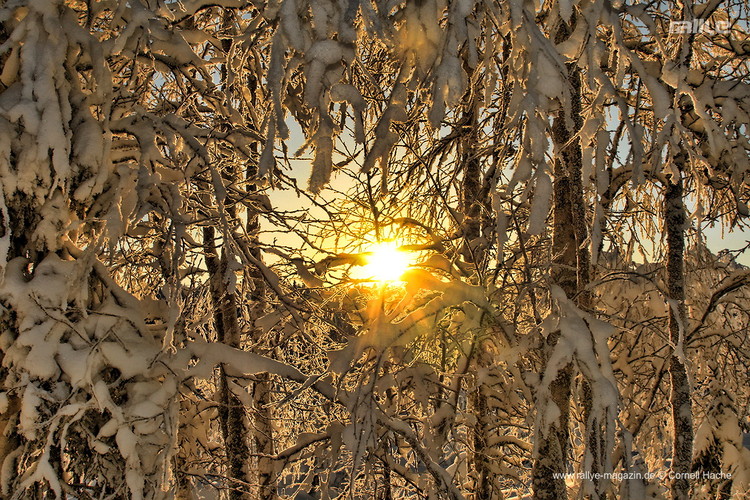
(571, 272)
(573, 157)
(234, 425)
(9, 438)
(471, 186)
(471, 210)
(682, 420)
(553, 445)
(553, 448)
(231, 410)
(262, 432)
(473, 198)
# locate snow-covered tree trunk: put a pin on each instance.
(79, 350)
(474, 254)
(569, 265)
(262, 428)
(263, 436)
(721, 458)
(471, 187)
(570, 150)
(553, 447)
(234, 428)
(10, 439)
(680, 396)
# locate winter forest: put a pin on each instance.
(374, 249)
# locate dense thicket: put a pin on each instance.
(181, 319)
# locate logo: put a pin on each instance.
(699, 26)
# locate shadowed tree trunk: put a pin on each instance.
(11, 441)
(572, 156)
(680, 392)
(682, 420)
(571, 263)
(552, 451)
(262, 426)
(471, 186)
(475, 197)
(553, 447)
(262, 429)
(257, 425)
(231, 410)
(234, 424)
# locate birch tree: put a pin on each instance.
(140, 141)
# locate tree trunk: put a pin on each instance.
(682, 419)
(262, 431)
(9, 439)
(231, 410)
(263, 440)
(472, 194)
(573, 157)
(552, 451)
(570, 271)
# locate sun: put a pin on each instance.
(385, 262)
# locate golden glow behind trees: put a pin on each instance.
(385, 262)
(127, 127)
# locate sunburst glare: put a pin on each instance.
(385, 263)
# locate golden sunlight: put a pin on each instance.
(385, 262)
